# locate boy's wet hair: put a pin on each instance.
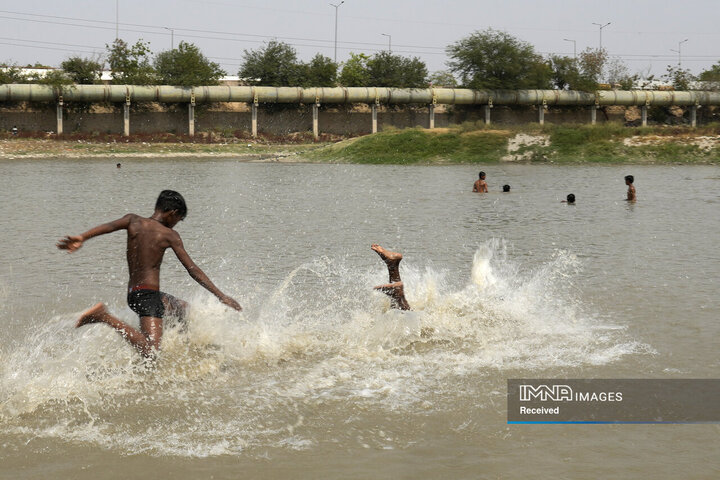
(571, 198)
(169, 200)
(506, 188)
(482, 174)
(629, 178)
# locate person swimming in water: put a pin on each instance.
(480, 184)
(395, 289)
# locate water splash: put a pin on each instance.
(322, 338)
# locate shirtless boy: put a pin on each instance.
(480, 184)
(631, 197)
(147, 240)
(395, 289)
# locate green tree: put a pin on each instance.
(492, 59)
(274, 65)
(320, 72)
(82, 71)
(131, 65)
(565, 72)
(619, 74)
(354, 72)
(186, 66)
(442, 79)
(712, 74)
(567, 75)
(592, 64)
(680, 78)
(12, 74)
(711, 78)
(388, 70)
(54, 78)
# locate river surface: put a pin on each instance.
(317, 377)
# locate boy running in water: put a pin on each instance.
(147, 240)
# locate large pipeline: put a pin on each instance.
(372, 95)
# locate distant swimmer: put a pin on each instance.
(147, 240)
(570, 198)
(480, 184)
(118, 165)
(506, 188)
(395, 289)
(631, 195)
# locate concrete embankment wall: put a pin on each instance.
(278, 123)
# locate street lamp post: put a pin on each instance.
(336, 17)
(172, 37)
(574, 46)
(601, 29)
(679, 51)
(389, 41)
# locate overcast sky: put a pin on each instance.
(641, 32)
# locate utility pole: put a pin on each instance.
(336, 16)
(389, 41)
(172, 37)
(117, 17)
(679, 51)
(601, 29)
(574, 46)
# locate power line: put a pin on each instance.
(302, 39)
(97, 27)
(627, 56)
(50, 43)
(327, 43)
(162, 27)
(257, 39)
(419, 22)
(205, 37)
(45, 48)
(103, 48)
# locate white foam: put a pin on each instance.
(231, 380)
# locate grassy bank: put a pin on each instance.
(466, 143)
(478, 143)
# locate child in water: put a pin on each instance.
(631, 195)
(395, 289)
(147, 240)
(480, 184)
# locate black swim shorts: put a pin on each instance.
(146, 303)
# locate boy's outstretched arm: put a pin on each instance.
(198, 275)
(74, 242)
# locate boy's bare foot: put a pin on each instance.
(92, 315)
(390, 258)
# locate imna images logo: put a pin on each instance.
(544, 393)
